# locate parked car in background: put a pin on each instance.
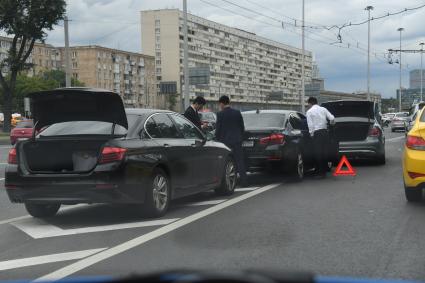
(279, 139)
(23, 129)
(357, 129)
(412, 115)
(399, 121)
(387, 118)
(414, 160)
(102, 153)
(209, 119)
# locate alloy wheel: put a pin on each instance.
(230, 176)
(160, 192)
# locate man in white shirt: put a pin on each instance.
(317, 120)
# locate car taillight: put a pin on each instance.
(12, 157)
(374, 132)
(414, 142)
(273, 139)
(112, 154)
(415, 175)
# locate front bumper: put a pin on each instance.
(371, 147)
(96, 187)
(413, 161)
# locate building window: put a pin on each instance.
(74, 65)
(157, 30)
(158, 38)
(157, 23)
(74, 54)
(158, 62)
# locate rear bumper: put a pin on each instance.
(398, 126)
(413, 161)
(368, 148)
(258, 161)
(100, 187)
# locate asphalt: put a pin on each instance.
(350, 226)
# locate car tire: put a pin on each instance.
(413, 194)
(158, 195)
(296, 171)
(228, 180)
(381, 159)
(330, 165)
(42, 210)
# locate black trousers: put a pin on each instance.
(321, 148)
(239, 159)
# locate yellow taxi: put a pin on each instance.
(414, 160)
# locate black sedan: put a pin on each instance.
(92, 150)
(279, 139)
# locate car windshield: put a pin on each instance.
(237, 137)
(263, 120)
(87, 128)
(25, 124)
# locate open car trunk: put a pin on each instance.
(61, 156)
(353, 118)
(354, 129)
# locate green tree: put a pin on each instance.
(59, 77)
(27, 21)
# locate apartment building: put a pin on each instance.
(251, 69)
(43, 56)
(127, 73)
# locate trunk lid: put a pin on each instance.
(351, 108)
(77, 104)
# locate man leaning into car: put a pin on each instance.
(317, 120)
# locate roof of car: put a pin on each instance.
(272, 111)
(144, 111)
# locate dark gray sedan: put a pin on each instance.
(357, 129)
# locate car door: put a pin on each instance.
(301, 136)
(203, 157)
(162, 130)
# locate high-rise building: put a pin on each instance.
(127, 73)
(249, 68)
(415, 78)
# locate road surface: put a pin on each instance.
(349, 226)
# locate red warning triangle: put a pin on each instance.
(350, 170)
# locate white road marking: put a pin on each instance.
(395, 139)
(3, 163)
(7, 146)
(207, 202)
(37, 228)
(10, 220)
(30, 261)
(125, 246)
(1, 179)
(246, 189)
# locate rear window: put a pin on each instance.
(263, 120)
(401, 115)
(422, 119)
(207, 116)
(25, 124)
(87, 128)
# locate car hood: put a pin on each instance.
(350, 108)
(76, 104)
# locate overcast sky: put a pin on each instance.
(116, 24)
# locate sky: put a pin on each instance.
(116, 24)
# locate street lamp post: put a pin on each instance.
(422, 70)
(399, 94)
(368, 8)
(303, 62)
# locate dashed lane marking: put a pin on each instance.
(395, 139)
(30, 261)
(246, 189)
(133, 243)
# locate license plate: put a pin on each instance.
(248, 144)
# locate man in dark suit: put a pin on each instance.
(191, 112)
(230, 130)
